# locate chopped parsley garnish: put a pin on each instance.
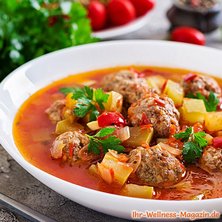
(193, 144)
(98, 142)
(88, 101)
(211, 102)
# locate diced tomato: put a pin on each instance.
(217, 142)
(71, 150)
(197, 127)
(189, 77)
(111, 118)
(97, 15)
(159, 102)
(173, 129)
(120, 12)
(144, 120)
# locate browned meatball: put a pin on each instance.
(158, 110)
(69, 143)
(211, 160)
(156, 166)
(126, 83)
(55, 110)
(201, 84)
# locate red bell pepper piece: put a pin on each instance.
(189, 77)
(111, 118)
(217, 142)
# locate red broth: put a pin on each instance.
(34, 134)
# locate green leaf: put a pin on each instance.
(112, 143)
(212, 102)
(82, 107)
(200, 140)
(184, 136)
(94, 114)
(101, 97)
(191, 151)
(93, 147)
(67, 90)
(88, 92)
(105, 132)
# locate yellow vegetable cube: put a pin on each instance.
(112, 167)
(114, 103)
(133, 190)
(193, 110)
(156, 82)
(174, 91)
(94, 125)
(70, 103)
(213, 121)
(139, 135)
(65, 125)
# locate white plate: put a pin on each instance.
(123, 29)
(38, 73)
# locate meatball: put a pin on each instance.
(55, 110)
(156, 166)
(69, 144)
(211, 160)
(201, 84)
(158, 110)
(126, 83)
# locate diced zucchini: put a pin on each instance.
(156, 82)
(133, 190)
(65, 125)
(114, 103)
(93, 125)
(213, 121)
(139, 135)
(193, 110)
(111, 167)
(174, 91)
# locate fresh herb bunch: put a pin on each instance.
(88, 101)
(30, 28)
(193, 144)
(98, 141)
(211, 102)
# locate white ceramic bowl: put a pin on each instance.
(40, 72)
(123, 29)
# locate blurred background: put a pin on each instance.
(30, 28)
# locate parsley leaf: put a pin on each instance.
(193, 144)
(112, 143)
(200, 140)
(211, 102)
(101, 97)
(191, 151)
(105, 132)
(88, 101)
(97, 141)
(184, 136)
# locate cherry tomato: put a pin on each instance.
(97, 15)
(217, 142)
(188, 35)
(143, 6)
(111, 118)
(121, 12)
